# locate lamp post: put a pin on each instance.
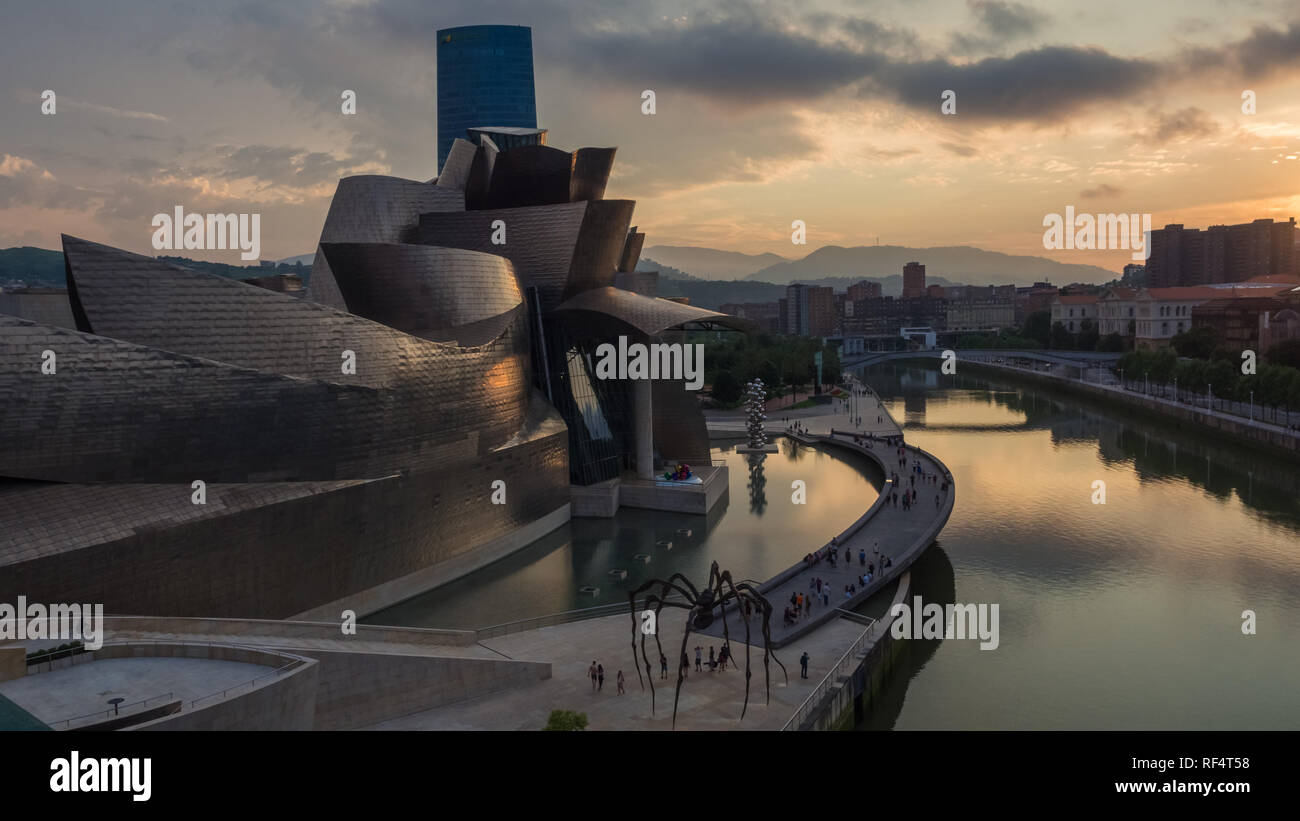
(1209, 396)
(1252, 406)
(1175, 390)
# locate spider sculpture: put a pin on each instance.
(720, 594)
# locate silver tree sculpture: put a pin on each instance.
(756, 411)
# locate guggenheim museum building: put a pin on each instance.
(192, 444)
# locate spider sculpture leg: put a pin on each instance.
(744, 618)
(767, 639)
(660, 603)
(680, 675)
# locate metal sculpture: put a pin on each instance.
(720, 594)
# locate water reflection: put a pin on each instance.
(1126, 614)
(571, 568)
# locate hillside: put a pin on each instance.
(962, 264)
(710, 263)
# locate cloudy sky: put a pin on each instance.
(826, 111)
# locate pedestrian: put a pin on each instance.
(620, 682)
(862, 558)
(663, 666)
(826, 597)
(591, 671)
(600, 673)
(723, 656)
(803, 665)
(698, 657)
(686, 666)
(712, 663)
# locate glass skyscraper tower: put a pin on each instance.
(485, 78)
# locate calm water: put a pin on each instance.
(1123, 615)
(755, 533)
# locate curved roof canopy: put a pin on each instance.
(649, 315)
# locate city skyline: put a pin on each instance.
(828, 114)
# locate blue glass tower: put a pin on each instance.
(485, 78)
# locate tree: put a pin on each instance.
(1286, 352)
(566, 721)
(1088, 334)
(1038, 325)
(1111, 343)
(1196, 343)
(726, 387)
(1061, 338)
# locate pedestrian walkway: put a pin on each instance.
(886, 530)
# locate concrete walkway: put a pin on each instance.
(836, 414)
(888, 531)
(709, 701)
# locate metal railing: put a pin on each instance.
(276, 673)
(553, 619)
(831, 679)
(111, 712)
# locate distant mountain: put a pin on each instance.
(305, 259)
(713, 294)
(709, 263)
(42, 268)
(960, 263)
(32, 266)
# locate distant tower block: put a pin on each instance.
(913, 280)
(485, 78)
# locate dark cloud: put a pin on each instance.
(1183, 124)
(959, 150)
(1103, 190)
(1007, 20)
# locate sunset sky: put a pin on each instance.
(767, 112)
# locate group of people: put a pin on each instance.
(800, 605)
(597, 673)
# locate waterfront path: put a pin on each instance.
(713, 700)
(885, 530)
(837, 414)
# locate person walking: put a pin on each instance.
(698, 651)
(803, 665)
(600, 674)
(686, 666)
(862, 558)
(713, 665)
(591, 671)
(620, 682)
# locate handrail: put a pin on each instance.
(832, 677)
(111, 712)
(277, 672)
(552, 619)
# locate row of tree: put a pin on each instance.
(784, 363)
(1271, 384)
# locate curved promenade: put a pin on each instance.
(883, 530)
(841, 652)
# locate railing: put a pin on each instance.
(553, 619)
(111, 712)
(276, 673)
(1253, 412)
(841, 667)
(49, 657)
